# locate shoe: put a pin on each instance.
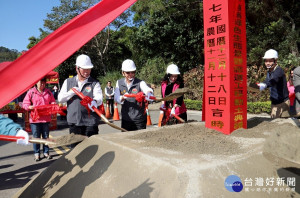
(47, 156)
(36, 158)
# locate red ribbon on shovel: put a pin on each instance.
(168, 112)
(140, 97)
(87, 100)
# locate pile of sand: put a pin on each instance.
(189, 138)
(133, 165)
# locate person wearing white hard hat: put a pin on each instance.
(133, 112)
(172, 81)
(79, 119)
(277, 84)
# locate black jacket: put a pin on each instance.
(276, 82)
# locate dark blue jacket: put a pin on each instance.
(277, 84)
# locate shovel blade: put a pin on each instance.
(66, 140)
(176, 94)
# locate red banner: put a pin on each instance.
(225, 65)
(24, 72)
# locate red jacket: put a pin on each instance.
(178, 110)
(291, 89)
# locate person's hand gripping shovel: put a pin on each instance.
(176, 94)
(171, 113)
(54, 142)
(87, 103)
(22, 138)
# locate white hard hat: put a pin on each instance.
(128, 65)
(84, 62)
(271, 54)
(172, 69)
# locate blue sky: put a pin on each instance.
(21, 19)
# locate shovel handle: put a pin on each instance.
(10, 138)
(94, 108)
(178, 118)
(78, 93)
(81, 95)
(152, 97)
(130, 95)
(135, 95)
(175, 116)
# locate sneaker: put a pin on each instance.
(47, 156)
(36, 158)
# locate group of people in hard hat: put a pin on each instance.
(85, 122)
(284, 96)
(133, 112)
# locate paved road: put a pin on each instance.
(17, 166)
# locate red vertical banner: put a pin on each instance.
(225, 65)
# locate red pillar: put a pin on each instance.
(225, 65)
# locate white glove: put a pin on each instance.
(25, 141)
(77, 88)
(123, 97)
(172, 112)
(71, 92)
(92, 104)
(262, 86)
(163, 106)
(149, 94)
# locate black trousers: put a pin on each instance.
(84, 130)
(110, 103)
(133, 126)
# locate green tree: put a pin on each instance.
(8, 54)
(170, 29)
(34, 40)
(272, 24)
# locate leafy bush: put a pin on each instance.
(252, 107)
(110, 76)
(193, 80)
(193, 104)
(291, 60)
(259, 107)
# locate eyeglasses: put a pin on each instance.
(132, 72)
(269, 60)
